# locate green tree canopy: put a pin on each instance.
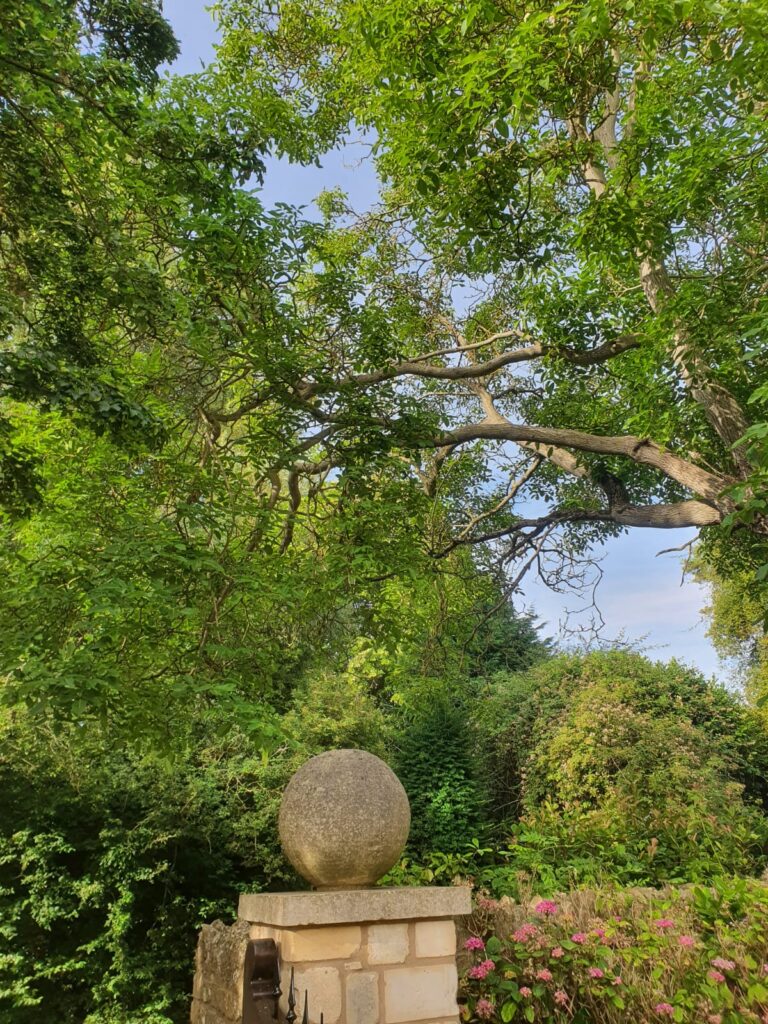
(592, 176)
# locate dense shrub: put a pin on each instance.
(523, 716)
(698, 955)
(612, 768)
(435, 763)
(110, 860)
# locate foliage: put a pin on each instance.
(736, 615)
(697, 955)
(595, 174)
(505, 641)
(609, 768)
(110, 859)
(539, 719)
(434, 761)
(634, 772)
(73, 269)
(144, 566)
(437, 748)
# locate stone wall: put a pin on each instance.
(389, 972)
(217, 992)
(375, 956)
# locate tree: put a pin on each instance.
(737, 615)
(593, 174)
(101, 179)
(71, 82)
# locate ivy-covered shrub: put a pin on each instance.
(695, 956)
(111, 860)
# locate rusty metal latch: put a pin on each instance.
(262, 982)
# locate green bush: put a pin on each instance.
(434, 761)
(111, 860)
(611, 767)
(523, 715)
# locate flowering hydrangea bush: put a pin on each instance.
(692, 956)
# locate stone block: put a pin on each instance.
(420, 993)
(335, 942)
(226, 1001)
(387, 943)
(435, 938)
(362, 998)
(353, 906)
(219, 968)
(203, 1013)
(322, 985)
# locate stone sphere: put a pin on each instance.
(344, 819)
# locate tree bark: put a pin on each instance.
(695, 479)
(723, 412)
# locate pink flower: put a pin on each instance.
(544, 975)
(715, 1018)
(545, 907)
(664, 922)
(484, 1009)
(595, 972)
(525, 992)
(617, 980)
(484, 903)
(665, 1009)
(723, 965)
(525, 932)
(686, 940)
(578, 938)
(482, 970)
(557, 952)
(473, 942)
(561, 997)
(715, 976)
(765, 968)
(599, 932)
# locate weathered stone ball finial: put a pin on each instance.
(344, 819)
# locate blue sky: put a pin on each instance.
(642, 596)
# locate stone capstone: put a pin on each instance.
(344, 819)
(270, 910)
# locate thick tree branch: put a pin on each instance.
(723, 412)
(472, 371)
(663, 517)
(638, 449)
(306, 390)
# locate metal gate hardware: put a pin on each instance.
(262, 976)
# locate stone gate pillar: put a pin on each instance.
(360, 955)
